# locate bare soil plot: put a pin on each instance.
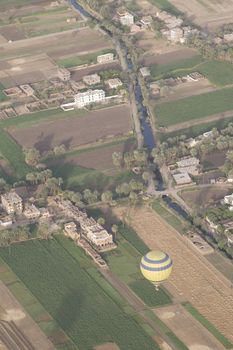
(12, 33)
(189, 89)
(214, 160)
(99, 158)
(204, 196)
(187, 328)
(28, 69)
(11, 310)
(75, 132)
(58, 45)
(159, 51)
(168, 57)
(193, 277)
(207, 12)
(80, 73)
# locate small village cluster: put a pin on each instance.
(59, 88)
(83, 230)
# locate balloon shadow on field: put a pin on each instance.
(70, 309)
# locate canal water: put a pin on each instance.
(148, 135)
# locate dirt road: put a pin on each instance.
(17, 329)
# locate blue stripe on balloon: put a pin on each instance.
(155, 269)
(149, 261)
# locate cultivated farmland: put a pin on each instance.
(206, 12)
(58, 45)
(193, 277)
(194, 107)
(81, 307)
(218, 73)
(98, 158)
(74, 132)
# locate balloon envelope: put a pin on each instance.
(156, 266)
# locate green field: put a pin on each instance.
(176, 68)
(219, 73)
(194, 107)
(168, 216)
(124, 262)
(165, 5)
(147, 293)
(211, 328)
(12, 152)
(74, 299)
(78, 178)
(82, 59)
(197, 130)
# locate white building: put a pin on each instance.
(208, 134)
(31, 211)
(126, 19)
(88, 97)
(5, 221)
(228, 37)
(176, 34)
(228, 199)
(70, 230)
(146, 21)
(107, 57)
(182, 179)
(145, 72)
(114, 83)
(63, 74)
(191, 170)
(27, 89)
(91, 79)
(96, 234)
(12, 203)
(186, 162)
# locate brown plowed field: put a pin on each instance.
(99, 158)
(193, 276)
(74, 132)
(207, 12)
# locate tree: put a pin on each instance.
(90, 197)
(101, 221)
(124, 188)
(32, 156)
(2, 183)
(76, 198)
(193, 152)
(133, 197)
(32, 178)
(53, 184)
(135, 185)
(115, 230)
(106, 196)
(146, 176)
(58, 150)
(117, 158)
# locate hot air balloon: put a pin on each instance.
(156, 267)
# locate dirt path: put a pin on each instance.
(193, 276)
(189, 124)
(27, 331)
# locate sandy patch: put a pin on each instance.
(14, 315)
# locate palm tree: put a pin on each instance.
(114, 230)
